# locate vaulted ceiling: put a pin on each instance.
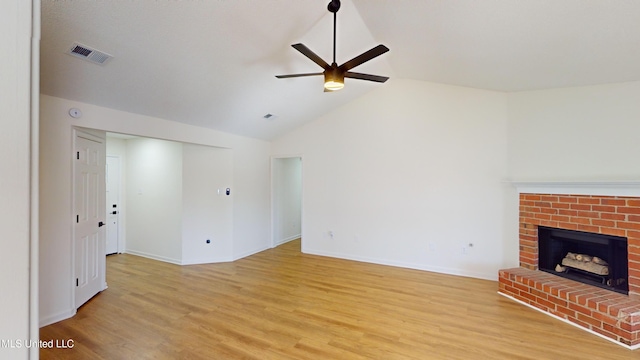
(212, 63)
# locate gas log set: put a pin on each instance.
(589, 266)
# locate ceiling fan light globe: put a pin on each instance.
(333, 85)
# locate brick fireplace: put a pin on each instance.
(611, 315)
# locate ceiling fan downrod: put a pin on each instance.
(333, 7)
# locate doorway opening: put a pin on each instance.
(286, 180)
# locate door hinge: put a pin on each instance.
(77, 155)
(77, 219)
(76, 281)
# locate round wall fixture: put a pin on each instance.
(75, 113)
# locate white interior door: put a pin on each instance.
(89, 209)
(113, 203)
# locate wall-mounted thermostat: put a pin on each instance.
(75, 113)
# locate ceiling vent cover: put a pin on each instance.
(89, 54)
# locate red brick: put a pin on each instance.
(581, 207)
(548, 305)
(558, 301)
(618, 331)
(628, 210)
(568, 226)
(588, 200)
(518, 297)
(608, 216)
(580, 309)
(532, 197)
(549, 223)
(579, 220)
(633, 234)
(568, 199)
(590, 320)
(528, 296)
(604, 318)
(542, 204)
(521, 287)
(604, 208)
(633, 202)
(535, 222)
(563, 310)
(548, 211)
(589, 214)
(633, 218)
(607, 223)
(613, 231)
(549, 198)
(628, 225)
(559, 205)
(542, 216)
(634, 257)
(511, 290)
(560, 218)
(525, 256)
(568, 212)
(614, 202)
(588, 228)
(634, 273)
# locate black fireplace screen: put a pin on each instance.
(596, 259)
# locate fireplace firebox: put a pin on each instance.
(590, 258)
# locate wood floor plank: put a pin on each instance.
(282, 304)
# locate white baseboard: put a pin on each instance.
(634, 347)
(249, 253)
(286, 240)
(436, 269)
(64, 315)
(153, 257)
(204, 261)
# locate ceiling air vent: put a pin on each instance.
(89, 54)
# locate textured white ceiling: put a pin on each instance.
(212, 63)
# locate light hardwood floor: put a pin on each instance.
(281, 304)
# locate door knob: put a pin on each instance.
(114, 212)
(101, 224)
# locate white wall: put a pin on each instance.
(575, 134)
(15, 153)
(207, 210)
(154, 199)
(408, 175)
(251, 191)
(287, 199)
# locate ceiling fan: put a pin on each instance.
(333, 74)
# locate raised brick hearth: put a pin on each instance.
(612, 315)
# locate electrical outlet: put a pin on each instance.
(466, 249)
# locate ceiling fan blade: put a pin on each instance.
(311, 55)
(376, 78)
(364, 57)
(297, 75)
